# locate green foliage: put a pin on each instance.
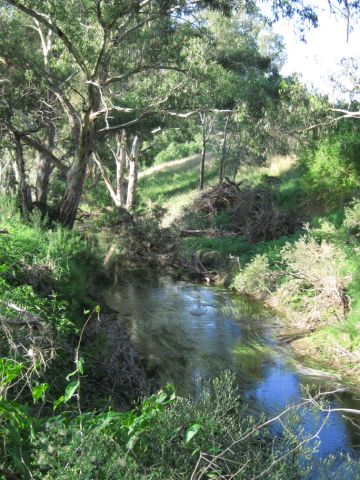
(333, 165)
(352, 218)
(164, 438)
(9, 209)
(255, 278)
(175, 151)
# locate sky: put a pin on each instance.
(326, 45)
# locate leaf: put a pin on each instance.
(71, 389)
(58, 402)
(39, 391)
(80, 366)
(192, 431)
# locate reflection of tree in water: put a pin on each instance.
(251, 358)
(180, 330)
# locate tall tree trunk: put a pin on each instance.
(45, 169)
(44, 165)
(120, 163)
(120, 175)
(76, 176)
(25, 193)
(133, 173)
(224, 150)
(203, 152)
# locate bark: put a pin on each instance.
(120, 171)
(224, 150)
(25, 193)
(117, 192)
(45, 165)
(203, 152)
(207, 124)
(76, 176)
(45, 168)
(202, 167)
(133, 173)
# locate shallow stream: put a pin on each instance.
(188, 334)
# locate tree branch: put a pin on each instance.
(31, 142)
(41, 18)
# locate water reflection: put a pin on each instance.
(189, 333)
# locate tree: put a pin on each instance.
(102, 48)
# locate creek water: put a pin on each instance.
(188, 334)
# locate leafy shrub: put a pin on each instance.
(9, 209)
(169, 437)
(38, 220)
(255, 278)
(332, 167)
(316, 282)
(352, 218)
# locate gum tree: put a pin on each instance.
(98, 50)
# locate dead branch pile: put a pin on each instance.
(267, 224)
(218, 198)
(25, 336)
(252, 211)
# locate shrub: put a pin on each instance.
(255, 278)
(316, 282)
(169, 437)
(352, 218)
(332, 168)
(9, 209)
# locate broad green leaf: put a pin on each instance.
(58, 402)
(39, 391)
(192, 431)
(70, 390)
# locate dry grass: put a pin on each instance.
(276, 166)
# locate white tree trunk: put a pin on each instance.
(133, 173)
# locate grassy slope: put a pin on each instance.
(174, 184)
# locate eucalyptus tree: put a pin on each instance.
(234, 68)
(98, 50)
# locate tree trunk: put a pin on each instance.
(120, 160)
(24, 189)
(45, 166)
(224, 150)
(45, 169)
(133, 173)
(76, 176)
(203, 151)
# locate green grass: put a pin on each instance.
(174, 182)
(237, 246)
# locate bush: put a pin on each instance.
(9, 209)
(352, 218)
(316, 281)
(333, 167)
(169, 437)
(255, 278)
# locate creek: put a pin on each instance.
(188, 334)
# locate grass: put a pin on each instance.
(174, 184)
